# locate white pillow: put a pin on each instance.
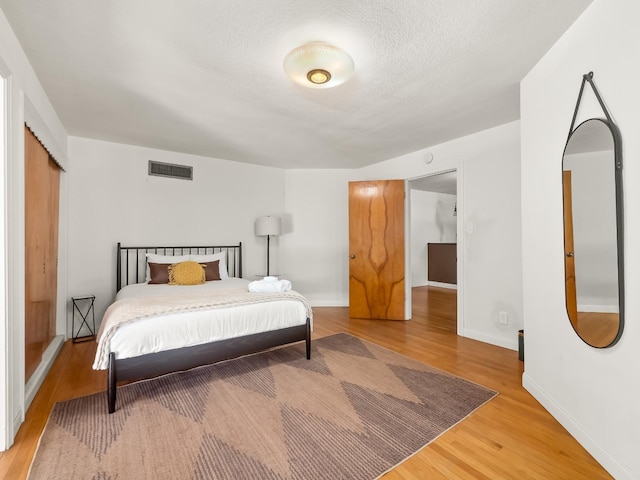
(212, 257)
(155, 258)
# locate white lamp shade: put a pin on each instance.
(268, 226)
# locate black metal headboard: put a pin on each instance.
(131, 262)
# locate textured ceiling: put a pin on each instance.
(205, 76)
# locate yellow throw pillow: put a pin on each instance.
(186, 273)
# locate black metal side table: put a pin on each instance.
(86, 301)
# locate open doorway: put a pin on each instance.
(433, 247)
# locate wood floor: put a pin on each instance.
(511, 437)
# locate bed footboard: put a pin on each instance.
(155, 364)
(112, 383)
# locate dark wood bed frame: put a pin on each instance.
(131, 268)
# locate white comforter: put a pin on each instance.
(181, 329)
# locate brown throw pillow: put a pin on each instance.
(186, 273)
(159, 272)
(211, 270)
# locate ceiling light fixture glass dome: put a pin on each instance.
(318, 65)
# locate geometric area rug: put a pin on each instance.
(354, 411)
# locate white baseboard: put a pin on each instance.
(497, 341)
(617, 470)
(17, 421)
(329, 303)
(452, 286)
(34, 383)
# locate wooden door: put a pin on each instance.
(42, 193)
(569, 259)
(376, 249)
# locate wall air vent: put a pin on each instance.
(170, 170)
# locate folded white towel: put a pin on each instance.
(269, 285)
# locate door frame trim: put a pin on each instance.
(460, 240)
(7, 427)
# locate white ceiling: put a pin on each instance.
(205, 76)
(439, 183)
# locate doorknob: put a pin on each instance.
(353, 256)
(570, 254)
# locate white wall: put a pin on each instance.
(112, 199)
(316, 251)
(26, 100)
(488, 198)
(593, 392)
(432, 221)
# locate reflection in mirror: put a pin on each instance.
(591, 233)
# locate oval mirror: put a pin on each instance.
(592, 183)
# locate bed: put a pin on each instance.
(154, 328)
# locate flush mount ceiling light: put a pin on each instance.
(318, 65)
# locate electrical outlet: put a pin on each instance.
(503, 318)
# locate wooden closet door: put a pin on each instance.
(376, 249)
(42, 194)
